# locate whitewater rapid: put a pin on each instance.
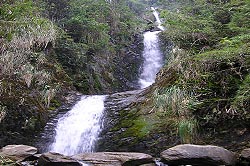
(77, 131)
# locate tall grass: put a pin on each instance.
(187, 129)
(175, 104)
(173, 99)
(22, 56)
(49, 93)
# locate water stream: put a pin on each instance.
(153, 59)
(77, 130)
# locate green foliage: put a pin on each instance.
(210, 57)
(87, 23)
(93, 34)
(241, 101)
(18, 10)
(241, 17)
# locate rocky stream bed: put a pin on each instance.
(185, 154)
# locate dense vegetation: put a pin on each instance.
(48, 48)
(211, 62)
(202, 93)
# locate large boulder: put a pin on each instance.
(188, 154)
(56, 159)
(114, 158)
(18, 152)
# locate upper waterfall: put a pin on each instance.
(153, 59)
(158, 21)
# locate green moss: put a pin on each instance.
(140, 127)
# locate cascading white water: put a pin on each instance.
(77, 131)
(153, 59)
(158, 21)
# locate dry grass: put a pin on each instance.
(2, 113)
(26, 40)
(49, 93)
(15, 53)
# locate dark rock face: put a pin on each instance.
(127, 65)
(56, 159)
(114, 158)
(198, 155)
(116, 104)
(18, 152)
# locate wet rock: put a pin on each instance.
(117, 105)
(198, 155)
(114, 158)
(18, 152)
(56, 159)
(245, 154)
(245, 157)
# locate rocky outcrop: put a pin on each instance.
(245, 154)
(18, 152)
(117, 108)
(245, 157)
(56, 159)
(114, 158)
(198, 155)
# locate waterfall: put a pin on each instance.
(77, 131)
(158, 21)
(153, 59)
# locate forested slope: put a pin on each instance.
(210, 67)
(48, 48)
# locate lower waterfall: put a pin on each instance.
(77, 131)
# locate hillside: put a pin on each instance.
(201, 95)
(50, 49)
